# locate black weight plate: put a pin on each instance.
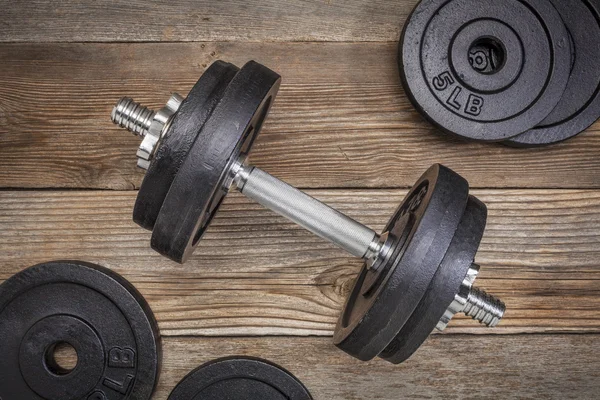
(579, 106)
(485, 69)
(240, 378)
(444, 286)
(186, 124)
(198, 187)
(373, 317)
(101, 315)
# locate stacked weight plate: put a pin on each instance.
(396, 303)
(215, 126)
(522, 72)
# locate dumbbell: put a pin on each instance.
(418, 273)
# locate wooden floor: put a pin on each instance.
(342, 129)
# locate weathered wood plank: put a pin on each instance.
(457, 367)
(256, 274)
(523, 366)
(341, 119)
(190, 20)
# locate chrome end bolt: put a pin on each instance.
(149, 124)
(474, 302)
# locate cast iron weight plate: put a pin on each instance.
(101, 315)
(198, 188)
(193, 113)
(375, 314)
(240, 378)
(579, 106)
(485, 70)
(444, 286)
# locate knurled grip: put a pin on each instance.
(306, 211)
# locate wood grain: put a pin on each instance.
(257, 274)
(341, 127)
(449, 367)
(541, 366)
(190, 20)
(341, 119)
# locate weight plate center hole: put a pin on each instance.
(487, 55)
(61, 358)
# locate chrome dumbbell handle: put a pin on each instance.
(306, 211)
